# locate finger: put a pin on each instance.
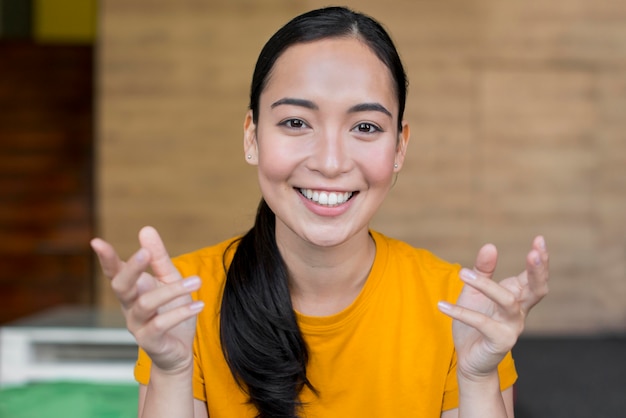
(124, 284)
(145, 283)
(109, 260)
(503, 297)
(539, 243)
(152, 332)
(486, 260)
(161, 262)
(150, 303)
(537, 273)
(497, 333)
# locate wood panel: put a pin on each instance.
(517, 112)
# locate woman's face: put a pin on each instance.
(326, 140)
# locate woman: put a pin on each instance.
(311, 313)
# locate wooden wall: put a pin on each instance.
(518, 120)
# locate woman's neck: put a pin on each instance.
(325, 280)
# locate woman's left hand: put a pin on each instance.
(489, 316)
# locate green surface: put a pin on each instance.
(69, 400)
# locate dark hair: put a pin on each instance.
(259, 332)
(330, 22)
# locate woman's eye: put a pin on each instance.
(294, 123)
(367, 128)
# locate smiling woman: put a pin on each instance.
(323, 125)
(311, 312)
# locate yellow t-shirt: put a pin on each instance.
(389, 354)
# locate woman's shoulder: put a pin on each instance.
(403, 249)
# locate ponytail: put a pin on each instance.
(259, 332)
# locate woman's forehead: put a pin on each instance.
(331, 69)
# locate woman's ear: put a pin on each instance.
(403, 143)
(250, 147)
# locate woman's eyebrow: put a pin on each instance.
(368, 107)
(361, 107)
(295, 102)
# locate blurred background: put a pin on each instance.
(116, 114)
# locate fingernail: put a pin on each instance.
(197, 306)
(468, 274)
(537, 260)
(542, 243)
(191, 283)
(141, 255)
(444, 306)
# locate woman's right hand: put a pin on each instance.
(158, 307)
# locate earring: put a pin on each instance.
(395, 165)
(249, 157)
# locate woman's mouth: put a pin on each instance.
(326, 198)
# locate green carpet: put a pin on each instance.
(69, 400)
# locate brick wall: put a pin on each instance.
(517, 111)
(46, 146)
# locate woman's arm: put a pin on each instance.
(488, 318)
(199, 407)
(161, 315)
(506, 396)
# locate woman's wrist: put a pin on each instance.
(169, 393)
(480, 396)
(180, 372)
(485, 379)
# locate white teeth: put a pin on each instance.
(326, 198)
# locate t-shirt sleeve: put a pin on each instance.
(199, 391)
(142, 367)
(506, 372)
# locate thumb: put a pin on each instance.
(161, 264)
(486, 260)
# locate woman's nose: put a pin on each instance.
(330, 156)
